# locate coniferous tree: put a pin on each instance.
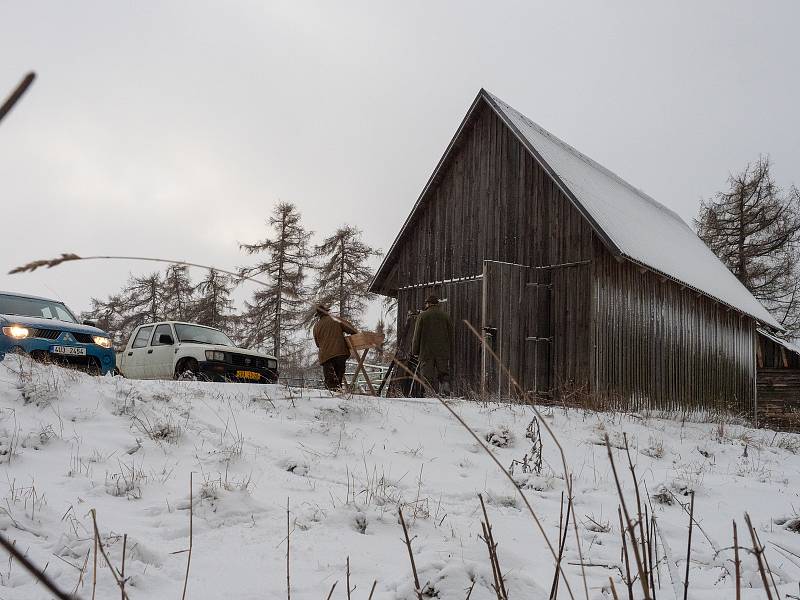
(212, 303)
(754, 228)
(177, 294)
(108, 315)
(142, 301)
(274, 312)
(344, 276)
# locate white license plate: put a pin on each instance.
(68, 350)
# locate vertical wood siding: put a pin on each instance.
(663, 346)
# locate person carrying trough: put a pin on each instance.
(433, 337)
(329, 335)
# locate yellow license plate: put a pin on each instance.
(248, 375)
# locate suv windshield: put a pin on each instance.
(34, 307)
(201, 335)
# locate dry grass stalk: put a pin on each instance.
(288, 581)
(82, 573)
(18, 92)
(758, 551)
(630, 526)
(563, 528)
(347, 575)
(689, 547)
(417, 588)
(372, 589)
(488, 538)
(37, 573)
(613, 588)
(737, 564)
(122, 571)
(191, 537)
(333, 587)
(469, 590)
(102, 549)
(628, 581)
(94, 571)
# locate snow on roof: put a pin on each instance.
(637, 226)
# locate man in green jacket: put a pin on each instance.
(433, 337)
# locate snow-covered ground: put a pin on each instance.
(71, 443)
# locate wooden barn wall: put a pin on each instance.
(492, 201)
(662, 346)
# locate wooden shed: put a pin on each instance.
(581, 283)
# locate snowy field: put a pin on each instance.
(71, 443)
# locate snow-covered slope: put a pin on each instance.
(71, 443)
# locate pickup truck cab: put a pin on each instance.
(172, 349)
(47, 330)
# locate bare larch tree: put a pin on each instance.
(177, 294)
(275, 312)
(754, 228)
(344, 274)
(212, 301)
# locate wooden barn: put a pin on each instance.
(581, 283)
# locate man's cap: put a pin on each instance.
(432, 299)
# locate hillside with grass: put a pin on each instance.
(163, 467)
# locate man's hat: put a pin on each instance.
(432, 299)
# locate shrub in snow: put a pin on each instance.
(500, 437)
(654, 449)
(789, 442)
(128, 482)
(296, 466)
(662, 495)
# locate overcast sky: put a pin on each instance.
(171, 128)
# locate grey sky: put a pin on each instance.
(171, 128)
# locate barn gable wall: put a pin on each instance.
(493, 201)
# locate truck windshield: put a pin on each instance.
(35, 307)
(201, 335)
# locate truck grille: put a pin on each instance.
(52, 334)
(47, 334)
(245, 360)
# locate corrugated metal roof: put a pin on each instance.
(638, 227)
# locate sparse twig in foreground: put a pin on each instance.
(417, 588)
(40, 575)
(189, 554)
(14, 97)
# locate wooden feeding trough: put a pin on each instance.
(360, 344)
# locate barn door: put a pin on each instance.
(515, 319)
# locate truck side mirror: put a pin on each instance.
(165, 339)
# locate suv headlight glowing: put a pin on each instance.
(16, 331)
(102, 341)
(215, 355)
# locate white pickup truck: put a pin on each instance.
(172, 349)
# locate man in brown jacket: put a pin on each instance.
(333, 349)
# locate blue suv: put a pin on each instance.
(47, 329)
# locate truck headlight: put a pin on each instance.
(102, 341)
(17, 332)
(215, 355)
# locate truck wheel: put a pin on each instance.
(187, 370)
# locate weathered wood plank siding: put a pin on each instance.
(661, 345)
(493, 201)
